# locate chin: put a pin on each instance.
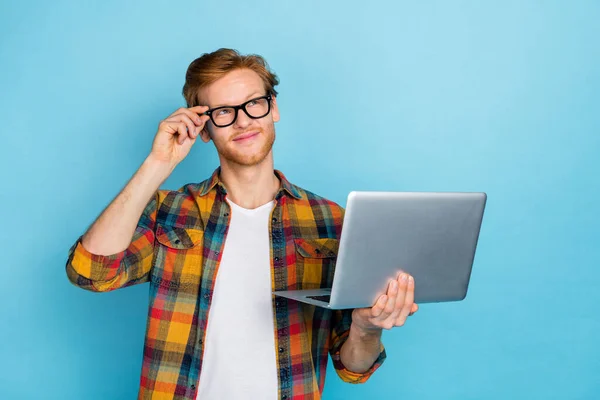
(249, 158)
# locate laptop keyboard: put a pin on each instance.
(324, 298)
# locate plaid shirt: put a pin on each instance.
(177, 247)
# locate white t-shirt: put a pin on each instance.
(239, 352)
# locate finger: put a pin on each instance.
(198, 109)
(409, 300)
(193, 112)
(402, 282)
(183, 133)
(194, 121)
(199, 114)
(192, 129)
(180, 129)
(410, 291)
(203, 120)
(413, 309)
(197, 119)
(195, 124)
(191, 126)
(391, 300)
(377, 309)
(173, 128)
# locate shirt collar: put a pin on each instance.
(215, 181)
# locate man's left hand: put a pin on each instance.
(391, 309)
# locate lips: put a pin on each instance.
(245, 136)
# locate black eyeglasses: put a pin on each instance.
(255, 108)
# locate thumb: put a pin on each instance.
(379, 306)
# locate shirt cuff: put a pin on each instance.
(354, 377)
(93, 266)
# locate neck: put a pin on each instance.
(250, 186)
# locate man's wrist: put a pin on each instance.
(159, 168)
(364, 335)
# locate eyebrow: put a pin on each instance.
(253, 95)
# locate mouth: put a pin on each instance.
(246, 136)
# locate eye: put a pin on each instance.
(252, 103)
(223, 111)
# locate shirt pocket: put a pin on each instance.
(178, 257)
(315, 262)
(178, 238)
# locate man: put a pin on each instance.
(213, 253)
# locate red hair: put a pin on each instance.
(211, 66)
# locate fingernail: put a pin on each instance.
(411, 279)
(404, 277)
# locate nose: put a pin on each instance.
(243, 120)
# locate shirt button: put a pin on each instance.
(281, 349)
(177, 241)
(276, 258)
(226, 214)
(193, 387)
(284, 396)
(206, 295)
(274, 219)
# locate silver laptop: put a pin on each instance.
(432, 236)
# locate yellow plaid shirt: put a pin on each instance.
(177, 248)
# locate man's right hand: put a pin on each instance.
(113, 231)
(177, 134)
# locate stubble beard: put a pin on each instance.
(251, 159)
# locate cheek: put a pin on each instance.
(217, 135)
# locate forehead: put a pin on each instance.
(233, 88)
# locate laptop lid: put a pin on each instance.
(430, 235)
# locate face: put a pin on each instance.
(248, 141)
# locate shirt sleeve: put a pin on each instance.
(131, 266)
(339, 334)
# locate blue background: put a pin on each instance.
(501, 97)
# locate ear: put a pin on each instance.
(205, 134)
(274, 109)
